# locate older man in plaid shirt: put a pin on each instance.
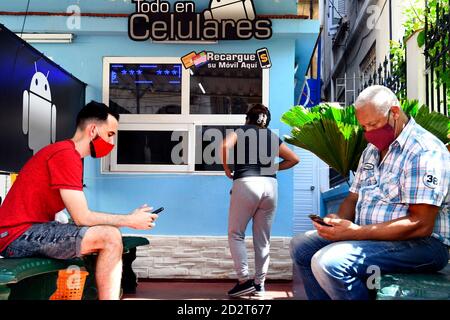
(396, 216)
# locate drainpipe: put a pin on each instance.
(319, 67)
(333, 96)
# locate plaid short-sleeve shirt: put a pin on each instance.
(415, 170)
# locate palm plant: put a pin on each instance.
(435, 122)
(334, 135)
(331, 133)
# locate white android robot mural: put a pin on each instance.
(230, 10)
(39, 113)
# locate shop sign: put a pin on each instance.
(222, 20)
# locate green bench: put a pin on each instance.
(420, 286)
(35, 278)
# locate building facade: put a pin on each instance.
(355, 42)
(190, 239)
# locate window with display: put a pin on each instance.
(168, 112)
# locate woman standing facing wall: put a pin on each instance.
(254, 193)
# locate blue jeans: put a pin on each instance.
(348, 270)
(51, 239)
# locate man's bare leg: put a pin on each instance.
(107, 241)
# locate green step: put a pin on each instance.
(420, 286)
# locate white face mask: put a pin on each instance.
(262, 119)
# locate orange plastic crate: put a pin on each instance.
(70, 284)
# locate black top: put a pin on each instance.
(255, 152)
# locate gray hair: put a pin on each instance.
(382, 98)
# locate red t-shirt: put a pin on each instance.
(34, 197)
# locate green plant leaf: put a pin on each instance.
(410, 107)
(331, 133)
(421, 39)
(434, 122)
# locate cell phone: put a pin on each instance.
(158, 210)
(319, 220)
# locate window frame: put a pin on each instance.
(154, 167)
(149, 122)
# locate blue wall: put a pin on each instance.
(195, 204)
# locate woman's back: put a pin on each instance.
(255, 152)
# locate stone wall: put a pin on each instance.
(204, 257)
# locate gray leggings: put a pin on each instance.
(252, 198)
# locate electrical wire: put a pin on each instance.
(25, 18)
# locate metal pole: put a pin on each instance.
(319, 68)
(390, 20)
(438, 60)
(345, 89)
(390, 31)
(445, 111)
(427, 77)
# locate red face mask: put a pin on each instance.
(381, 137)
(100, 147)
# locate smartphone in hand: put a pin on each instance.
(319, 220)
(158, 210)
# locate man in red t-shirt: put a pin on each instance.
(51, 181)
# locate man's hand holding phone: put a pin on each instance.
(143, 218)
(319, 220)
(158, 210)
(335, 229)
